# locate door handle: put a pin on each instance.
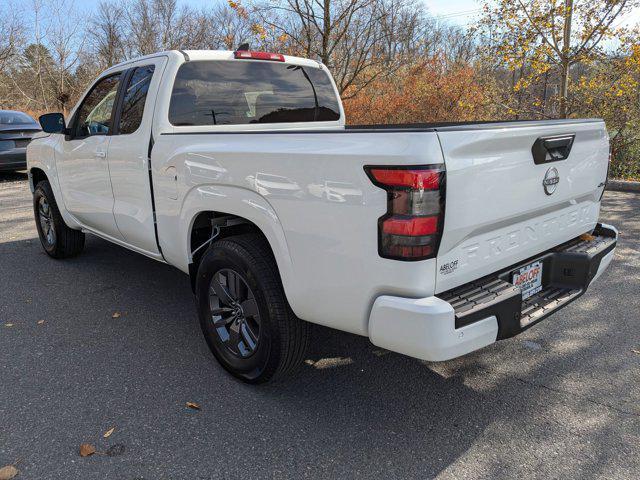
(100, 154)
(552, 149)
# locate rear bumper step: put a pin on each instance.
(475, 315)
(567, 272)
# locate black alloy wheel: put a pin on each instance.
(243, 311)
(234, 312)
(57, 239)
(45, 216)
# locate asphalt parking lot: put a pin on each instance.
(560, 401)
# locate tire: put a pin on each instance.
(264, 340)
(57, 239)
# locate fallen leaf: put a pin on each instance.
(116, 315)
(40, 322)
(8, 324)
(8, 472)
(87, 449)
(587, 237)
(108, 433)
(195, 406)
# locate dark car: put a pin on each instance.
(16, 131)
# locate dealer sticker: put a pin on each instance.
(528, 279)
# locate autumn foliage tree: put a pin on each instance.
(538, 43)
(393, 62)
(432, 90)
(610, 89)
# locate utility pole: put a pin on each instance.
(565, 64)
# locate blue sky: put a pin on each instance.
(459, 12)
(455, 11)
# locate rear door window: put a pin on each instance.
(247, 92)
(135, 96)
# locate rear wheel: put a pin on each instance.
(58, 240)
(243, 312)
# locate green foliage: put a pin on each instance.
(626, 163)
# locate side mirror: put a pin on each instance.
(53, 123)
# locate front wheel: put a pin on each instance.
(58, 240)
(243, 312)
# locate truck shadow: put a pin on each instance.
(353, 410)
(15, 176)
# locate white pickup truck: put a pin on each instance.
(238, 169)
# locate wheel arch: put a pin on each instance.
(248, 212)
(37, 175)
(209, 226)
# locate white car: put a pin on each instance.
(237, 168)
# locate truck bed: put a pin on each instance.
(473, 125)
(405, 127)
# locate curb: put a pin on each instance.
(623, 186)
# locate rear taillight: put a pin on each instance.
(412, 227)
(250, 55)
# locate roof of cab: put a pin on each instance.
(228, 55)
(196, 55)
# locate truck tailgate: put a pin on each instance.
(503, 207)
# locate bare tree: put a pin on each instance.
(26, 74)
(66, 43)
(354, 38)
(229, 27)
(142, 31)
(106, 35)
(11, 34)
(155, 25)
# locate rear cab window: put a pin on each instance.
(239, 92)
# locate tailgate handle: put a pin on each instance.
(552, 149)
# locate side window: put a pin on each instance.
(95, 113)
(134, 99)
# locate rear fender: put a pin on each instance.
(242, 203)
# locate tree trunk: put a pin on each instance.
(565, 63)
(326, 33)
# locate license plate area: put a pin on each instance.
(528, 278)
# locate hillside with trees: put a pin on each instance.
(393, 62)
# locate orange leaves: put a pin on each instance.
(239, 9)
(86, 450)
(259, 31)
(430, 91)
(8, 472)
